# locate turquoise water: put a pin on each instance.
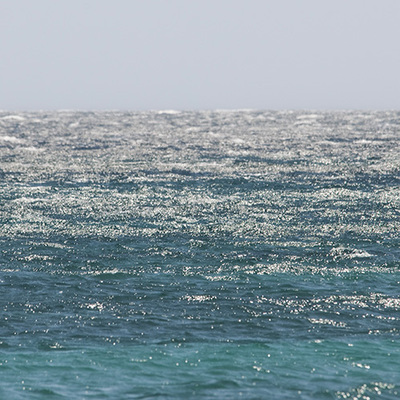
(222, 255)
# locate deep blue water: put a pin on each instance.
(210, 255)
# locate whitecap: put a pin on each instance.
(360, 254)
(345, 252)
(13, 117)
(237, 140)
(172, 112)
(307, 116)
(33, 149)
(11, 139)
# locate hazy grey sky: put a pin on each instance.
(199, 54)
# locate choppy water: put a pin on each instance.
(200, 255)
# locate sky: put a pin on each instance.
(199, 54)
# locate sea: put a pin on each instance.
(220, 254)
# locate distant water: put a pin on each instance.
(208, 255)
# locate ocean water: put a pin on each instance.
(200, 255)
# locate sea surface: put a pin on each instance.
(200, 255)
